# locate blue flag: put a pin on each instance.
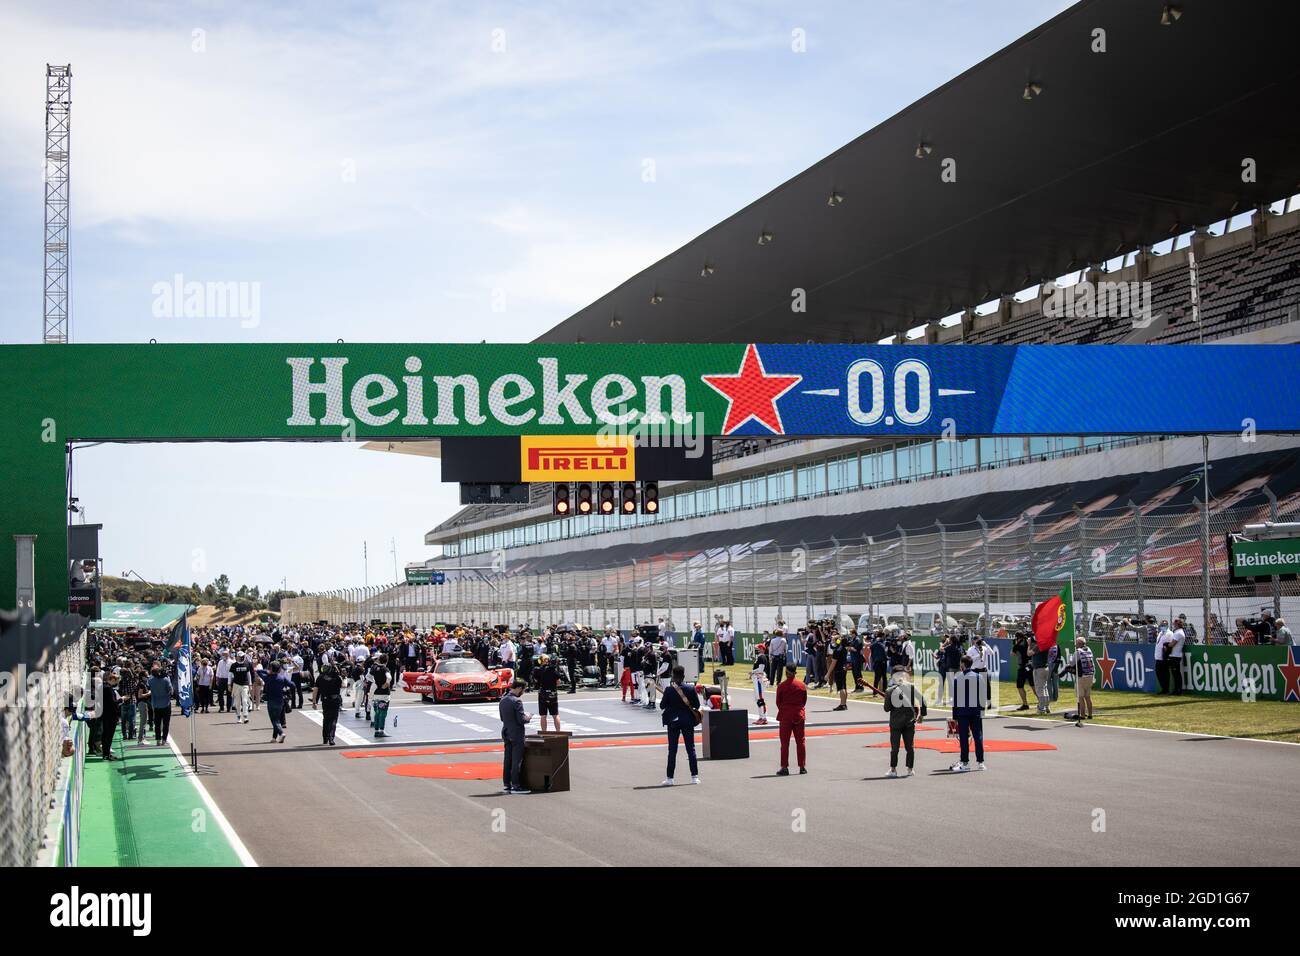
(184, 674)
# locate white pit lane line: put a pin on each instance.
(349, 738)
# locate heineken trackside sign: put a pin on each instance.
(1253, 559)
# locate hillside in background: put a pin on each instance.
(244, 602)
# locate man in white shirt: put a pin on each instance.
(1176, 658)
(507, 652)
(223, 681)
(1166, 640)
(776, 657)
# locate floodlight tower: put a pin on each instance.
(58, 115)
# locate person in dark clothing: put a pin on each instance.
(548, 694)
(906, 708)
(276, 689)
(112, 706)
(879, 663)
(513, 721)
(160, 700)
(571, 659)
(968, 702)
(681, 707)
(328, 692)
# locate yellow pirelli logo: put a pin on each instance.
(577, 458)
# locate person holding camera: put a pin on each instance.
(837, 662)
(681, 715)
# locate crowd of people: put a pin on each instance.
(243, 669)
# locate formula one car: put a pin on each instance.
(459, 678)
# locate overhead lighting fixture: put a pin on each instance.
(765, 237)
(1031, 90)
(1171, 13)
(615, 322)
(706, 271)
(923, 149)
(834, 199)
(656, 298)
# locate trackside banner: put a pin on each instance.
(395, 391)
(1260, 673)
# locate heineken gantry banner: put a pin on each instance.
(396, 391)
(53, 395)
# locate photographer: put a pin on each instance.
(1024, 671)
(837, 661)
(879, 663)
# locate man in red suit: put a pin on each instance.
(791, 696)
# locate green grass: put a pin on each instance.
(1222, 716)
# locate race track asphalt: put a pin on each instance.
(1104, 797)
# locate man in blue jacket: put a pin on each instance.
(680, 704)
(513, 721)
(276, 689)
(968, 702)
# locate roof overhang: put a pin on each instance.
(1120, 149)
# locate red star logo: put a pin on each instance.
(752, 393)
(1291, 674)
(1107, 665)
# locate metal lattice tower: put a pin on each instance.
(58, 120)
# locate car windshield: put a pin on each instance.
(464, 666)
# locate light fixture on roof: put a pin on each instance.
(1171, 13)
(923, 149)
(765, 237)
(655, 298)
(706, 270)
(615, 322)
(835, 198)
(1032, 89)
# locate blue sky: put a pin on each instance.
(404, 172)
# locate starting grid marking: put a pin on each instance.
(411, 721)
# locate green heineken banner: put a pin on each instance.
(1254, 559)
(54, 395)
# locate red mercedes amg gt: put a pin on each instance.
(459, 678)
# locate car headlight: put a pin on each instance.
(443, 683)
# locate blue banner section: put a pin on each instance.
(963, 390)
(184, 672)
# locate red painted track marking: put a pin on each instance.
(448, 771)
(593, 742)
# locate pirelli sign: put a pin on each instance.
(577, 458)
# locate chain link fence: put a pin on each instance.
(1125, 563)
(42, 664)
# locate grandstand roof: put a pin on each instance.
(1121, 148)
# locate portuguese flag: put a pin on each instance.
(1053, 620)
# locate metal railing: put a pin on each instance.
(1123, 563)
(43, 663)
